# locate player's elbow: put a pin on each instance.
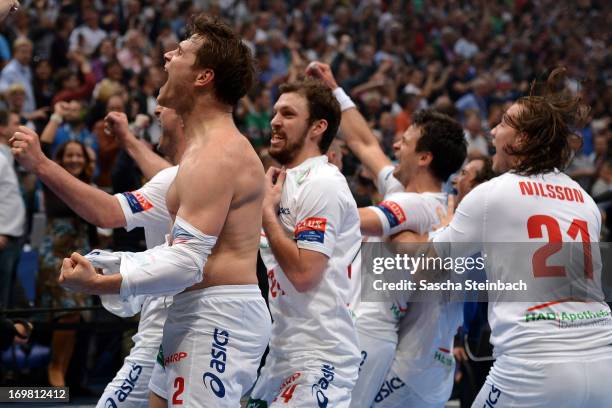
(307, 278)
(109, 219)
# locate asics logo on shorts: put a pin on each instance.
(126, 387)
(218, 362)
(493, 397)
(322, 384)
(388, 388)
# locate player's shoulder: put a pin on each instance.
(165, 175)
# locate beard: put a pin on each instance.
(289, 151)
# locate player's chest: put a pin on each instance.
(172, 200)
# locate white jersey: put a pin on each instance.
(539, 210)
(319, 212)
(424, 330)
(146, 207)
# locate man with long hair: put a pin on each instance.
(552, 348)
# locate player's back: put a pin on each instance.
(543, 230)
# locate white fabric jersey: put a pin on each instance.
(423, 330)
(318, 210)
(145, 207)
(517, 209)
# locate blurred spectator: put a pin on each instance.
(65, 233)
(109, 146)
(12, 212)
(70, 86)
(86, 37)
(132, 54)
(258, 117)
(67, 123)
(9, 122)
(581, 167)
(478, 145)
(18, 71)
(13, 332)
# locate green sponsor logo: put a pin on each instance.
(256, 403)
(444, 358)
(566, 317)
(160, 356)
(398, 312)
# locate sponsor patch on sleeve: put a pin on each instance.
(393, 211)
(311, 229)
(137, 202)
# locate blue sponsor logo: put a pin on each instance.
(284, 211)
(218, 363)
(137, 202)
(127, 386)
(393, 212)
(318, 389)
(493, 397)
(312, 236)
(388, 388)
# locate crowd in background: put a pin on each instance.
(66, 63)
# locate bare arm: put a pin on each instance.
(49, 132)
(369, 222)
(90, 203)
(204, 197)
(354, 127)
(304, 268)
(147, 160)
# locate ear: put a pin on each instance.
(318, 128)
(204, 77)
(425, 158)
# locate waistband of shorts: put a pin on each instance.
(222, 291)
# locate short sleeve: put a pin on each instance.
(387, 183)
(146, 207)
(403, 212)
(319, 216)
(464, 235)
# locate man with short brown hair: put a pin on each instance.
(218, 326)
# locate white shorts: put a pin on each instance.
(376, 358)
(407, 385)
(157, 383)
(308, 382)
(129, 388)
(517, 382)
(213, 342)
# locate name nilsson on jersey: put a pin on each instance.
(533, 188)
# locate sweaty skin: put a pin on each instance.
(219, 190)
(219, 187)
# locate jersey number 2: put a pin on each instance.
(555, 243)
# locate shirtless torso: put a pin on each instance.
(214, 172)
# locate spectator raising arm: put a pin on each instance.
(353, 126)
(149, 162)
(92, 204)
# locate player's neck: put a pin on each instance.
(305, 153)
(202, 122)
(424, 183)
